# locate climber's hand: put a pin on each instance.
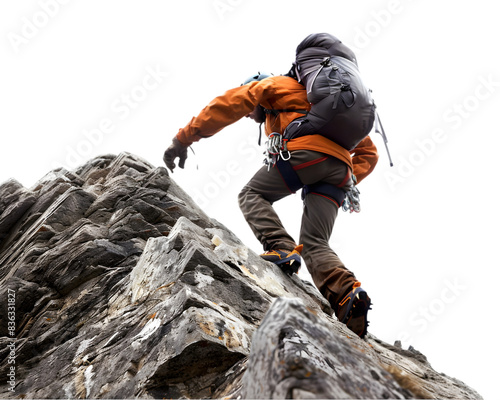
(176, 149)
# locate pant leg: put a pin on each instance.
(256, 200)
(328, 272)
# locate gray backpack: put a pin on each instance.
(341, 105)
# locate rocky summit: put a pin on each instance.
(115, 284)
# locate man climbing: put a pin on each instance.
(324, 169)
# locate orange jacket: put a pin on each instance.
(277, 92)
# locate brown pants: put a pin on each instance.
(329, 274)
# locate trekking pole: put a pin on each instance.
(378, 123)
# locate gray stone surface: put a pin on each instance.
(125, 288)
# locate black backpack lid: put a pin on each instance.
(323, 45)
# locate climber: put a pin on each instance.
(319, 163)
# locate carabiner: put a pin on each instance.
(283, 157)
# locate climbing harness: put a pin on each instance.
(334, 193)
(277, 155)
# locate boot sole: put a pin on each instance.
(357, 318)
(290, 265)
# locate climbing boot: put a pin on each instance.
(353, 310)
(288, 261)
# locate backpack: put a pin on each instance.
(342, 109)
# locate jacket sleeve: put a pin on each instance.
(225, 110)
(364, 158)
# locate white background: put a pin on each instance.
(423, 245)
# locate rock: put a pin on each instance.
(15, 201)
(296, 354)
(124, 288)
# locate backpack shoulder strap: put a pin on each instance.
(277, 112)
